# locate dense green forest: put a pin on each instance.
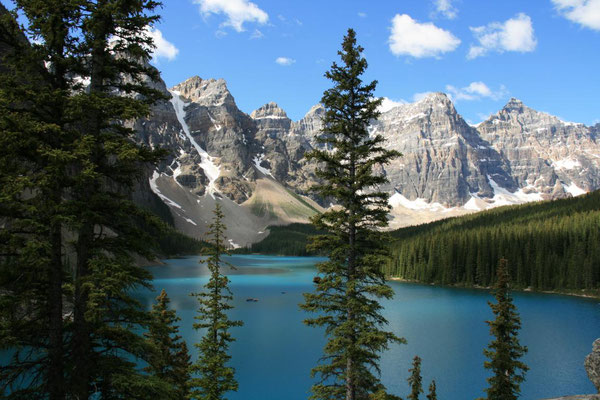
(550, 245)
(289, 240)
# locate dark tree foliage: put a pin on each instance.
(69, 164)
(351, 281)
(415, 380)
(170, 359)
(172, 243)
(115, 50)
(504, 351)
(35, 154)
(288, 240)
(215, 378)
(432, 395)
(552, 245)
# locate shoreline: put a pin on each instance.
(526, 290)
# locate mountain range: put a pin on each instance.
(254, 164)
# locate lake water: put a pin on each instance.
(274, 351)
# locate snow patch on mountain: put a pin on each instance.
(418, 204)
(154, 187)
(211, 170)
(566, 163)
(574, 189)
(259, 159)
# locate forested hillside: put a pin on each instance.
(289, 240)
(549, 245)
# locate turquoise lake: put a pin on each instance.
(446, 327)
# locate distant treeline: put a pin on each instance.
(168, 241)
(172, 243)
(289, 240)
(553, 245)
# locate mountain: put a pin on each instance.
(217, 152)
(545, 155)
(254, 164)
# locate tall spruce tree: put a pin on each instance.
(76, 164)
(415, 380)
(216, 378)
(35, 154)
(504, 351)
(115, 49)
(351, 281)
(170, 359)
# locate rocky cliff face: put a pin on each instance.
(256, 162)
(444, 159)
(545, 155)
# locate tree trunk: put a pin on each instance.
(55, 302)
(350, 384)
(81, 330)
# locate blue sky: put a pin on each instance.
(544, 52)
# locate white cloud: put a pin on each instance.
(164, 48)
(515, 34)
(285, 61)
(445, 8)
(362, 14)
(475, 91)
(387, 104)
(420, 96)
(584, 12)
(237, 11)
(412, 38)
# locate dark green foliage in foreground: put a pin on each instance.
(550, 245)
(70, 228)
(215, 377)
(170, 359)
(345, 300)
(415, 381)
(288, 240)
(34, 156)
(504, 351)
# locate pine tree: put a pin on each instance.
(432, 395)
(116, 49)
(504, 351)
(351, 281)
(215, 377)
(74, 167)
(35, 154)
(415, 380)
(170, 359)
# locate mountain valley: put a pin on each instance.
(255, 163)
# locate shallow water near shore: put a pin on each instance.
(274, 351)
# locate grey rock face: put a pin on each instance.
(272, 125)
(205, 92)
(444, 159)
(592, 364)
(545, 154)
(223, 131)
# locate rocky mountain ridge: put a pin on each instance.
(255, 163)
